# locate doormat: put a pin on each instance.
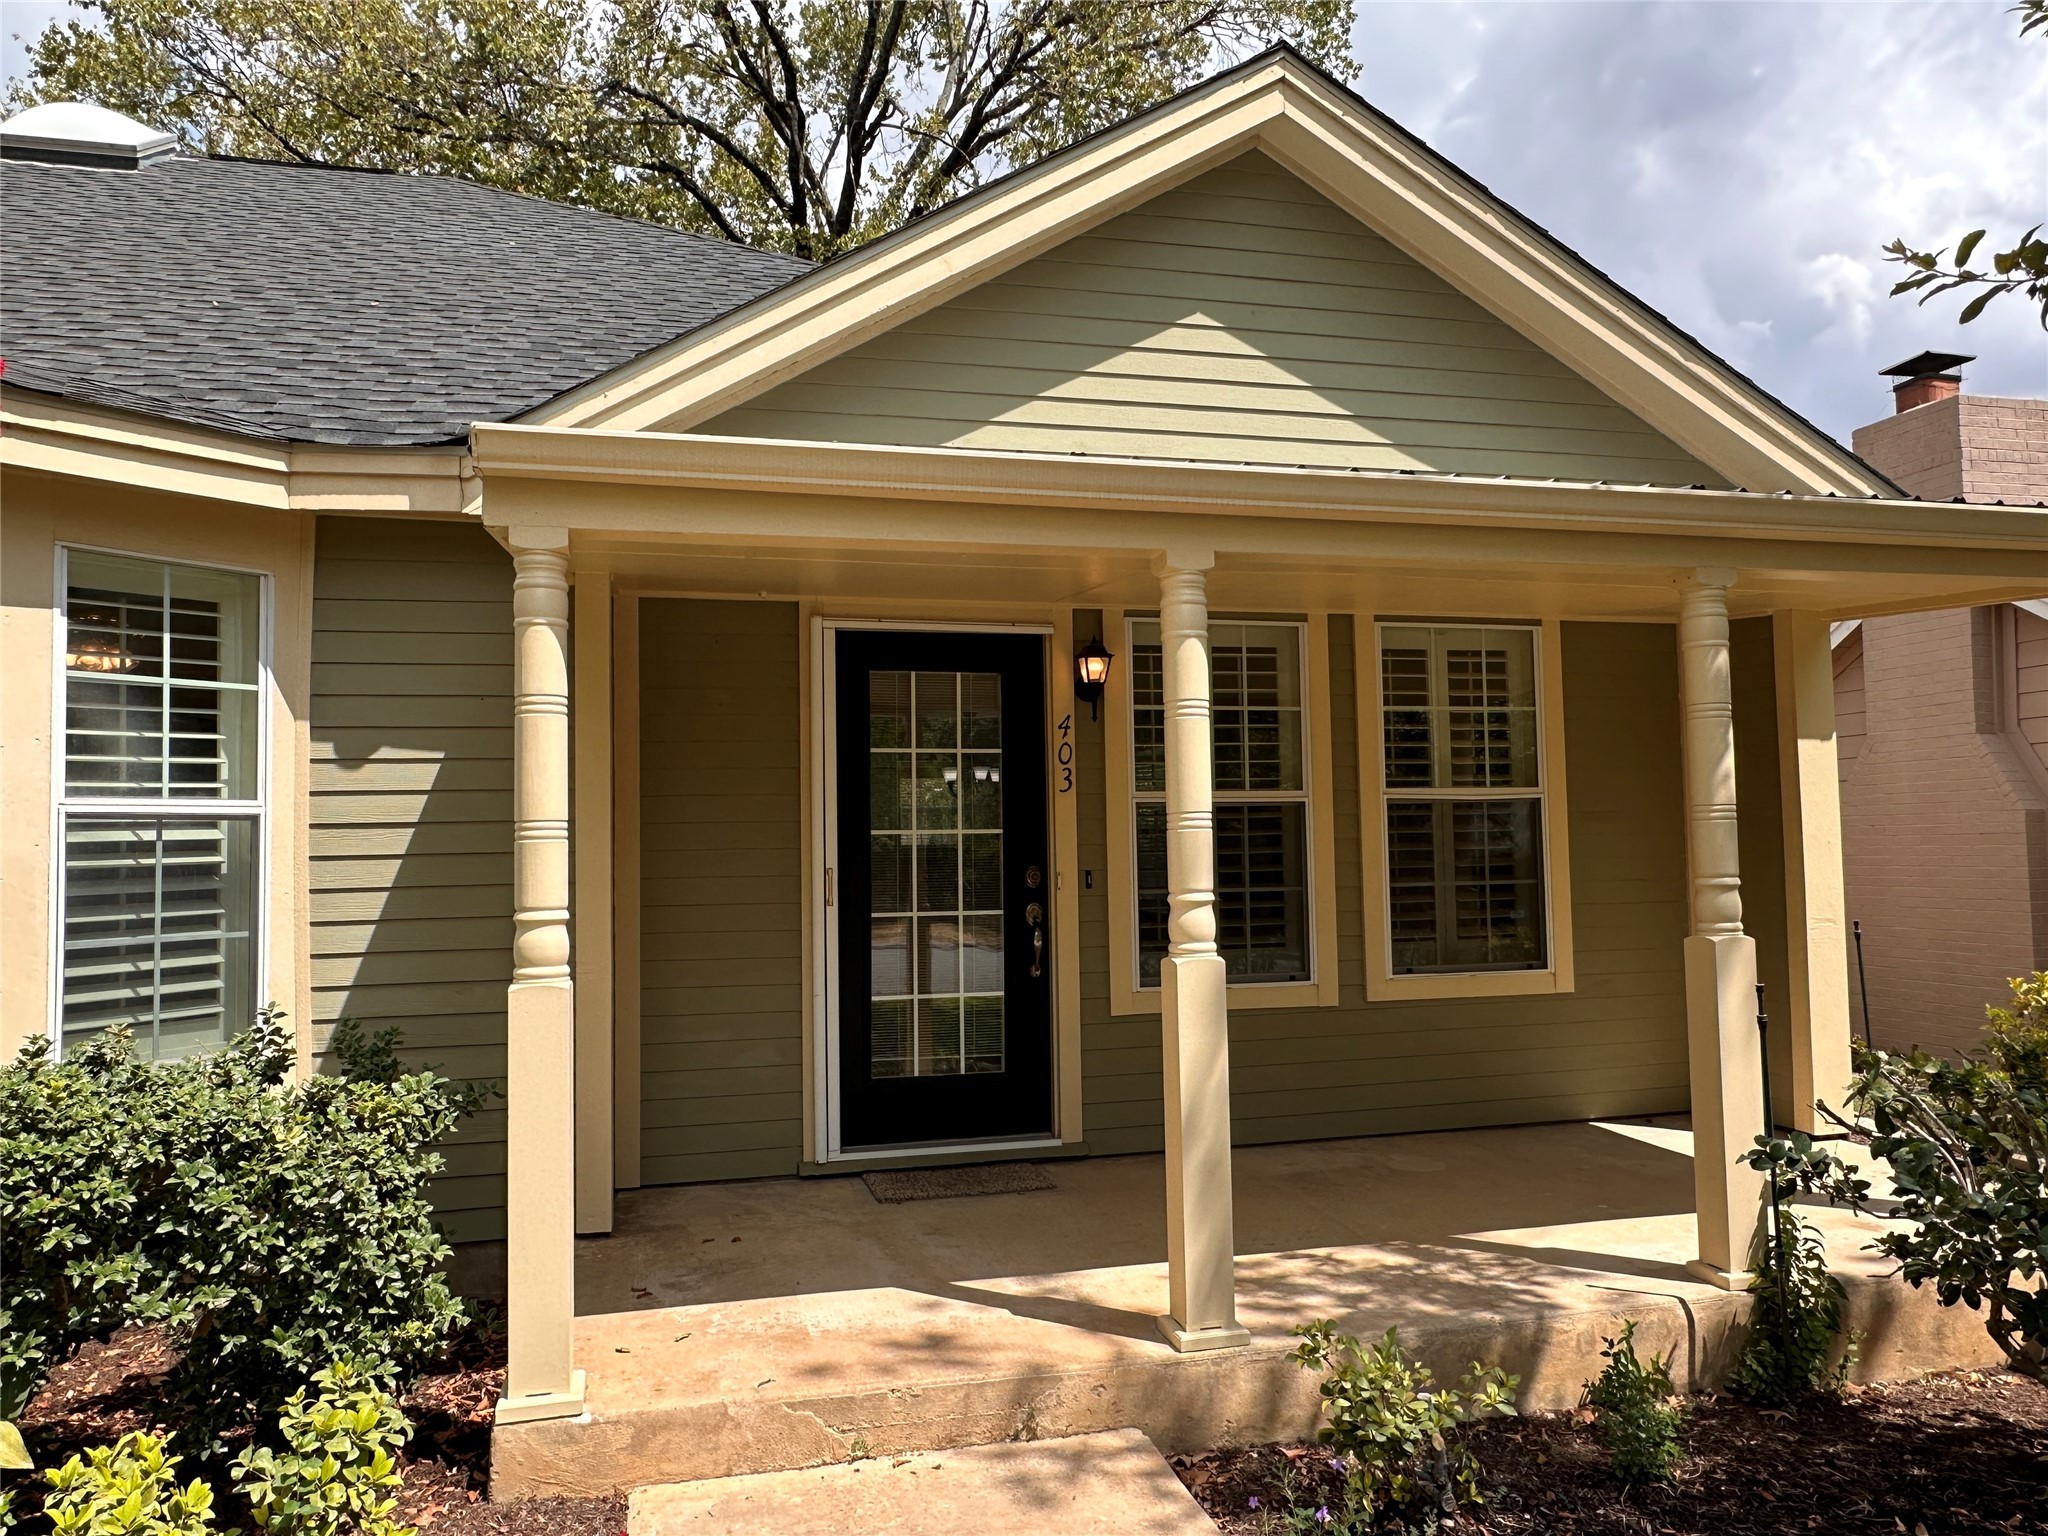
(901, 1185)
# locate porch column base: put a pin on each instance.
(1727, 1097)
(1726, 1279)
(536, 1406)
(1199, 1341)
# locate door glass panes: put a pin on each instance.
(1464, 809)
(159, 920)
(935, 776)
(1260, 791)
(160, 680)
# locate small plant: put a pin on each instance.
(1398, 1435)
(129, 1488)
(1636, 1409)
(1796, 1323)
(340, 1474)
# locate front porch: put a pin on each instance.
(768, 1325)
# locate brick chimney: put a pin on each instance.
(1924, 379)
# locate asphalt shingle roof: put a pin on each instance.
(313, 304)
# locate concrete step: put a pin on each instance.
(1110, 1484)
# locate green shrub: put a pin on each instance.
(268, 1228)
(339, 1476)
(1636, 1409)
(1967, 1144)
(127, 1489)
(1399, 1437)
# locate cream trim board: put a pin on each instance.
(626, 934)
(1381, 984)
(1348, 151)
(524, 459)
(64, 437)
(1126, 997)
(1066, 889)
(594, 843)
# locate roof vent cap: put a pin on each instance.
(80, 133)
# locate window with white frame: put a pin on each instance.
(160, 812)
(1263, 860)
(1460, 733)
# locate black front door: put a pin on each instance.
(941, 888)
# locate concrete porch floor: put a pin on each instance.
(782, 1324)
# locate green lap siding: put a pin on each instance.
(1240, 318)
(411, 814)
(721, 891)
(1615, 1046)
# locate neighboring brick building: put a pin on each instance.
(1942, 729)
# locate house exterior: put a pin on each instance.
(662, 677)
(1942, 729)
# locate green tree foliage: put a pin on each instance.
(802, 125)
(1637, 1411)
(338, 1475)
(2022, 267)
(1399, 1436)
(268, 1227)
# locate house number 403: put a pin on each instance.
(1064, 757)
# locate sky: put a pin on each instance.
(1734, 163)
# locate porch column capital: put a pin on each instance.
(1193, 1011)
(1183, 557)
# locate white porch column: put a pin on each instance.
(1816, 943)
(541, 1381)
(1720, 959)
(1192, 1014)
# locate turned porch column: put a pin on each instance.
(1192, 1012)
(541, 1381)
(1720, 959)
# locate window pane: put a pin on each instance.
(1262, 925)
(213, 625)
(1465, 885)
(114, 615)
(161, 695)
(1262, 891)
(1458, 707)
(159, 924)
(1255, 708)
(1148, 709)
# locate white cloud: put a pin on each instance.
(1738, 165)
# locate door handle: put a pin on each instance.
(1035, 916)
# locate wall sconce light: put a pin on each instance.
(1091, 674)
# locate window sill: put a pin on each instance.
(1472, 984)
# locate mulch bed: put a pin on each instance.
(105, 1390)
(1945, 1456)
